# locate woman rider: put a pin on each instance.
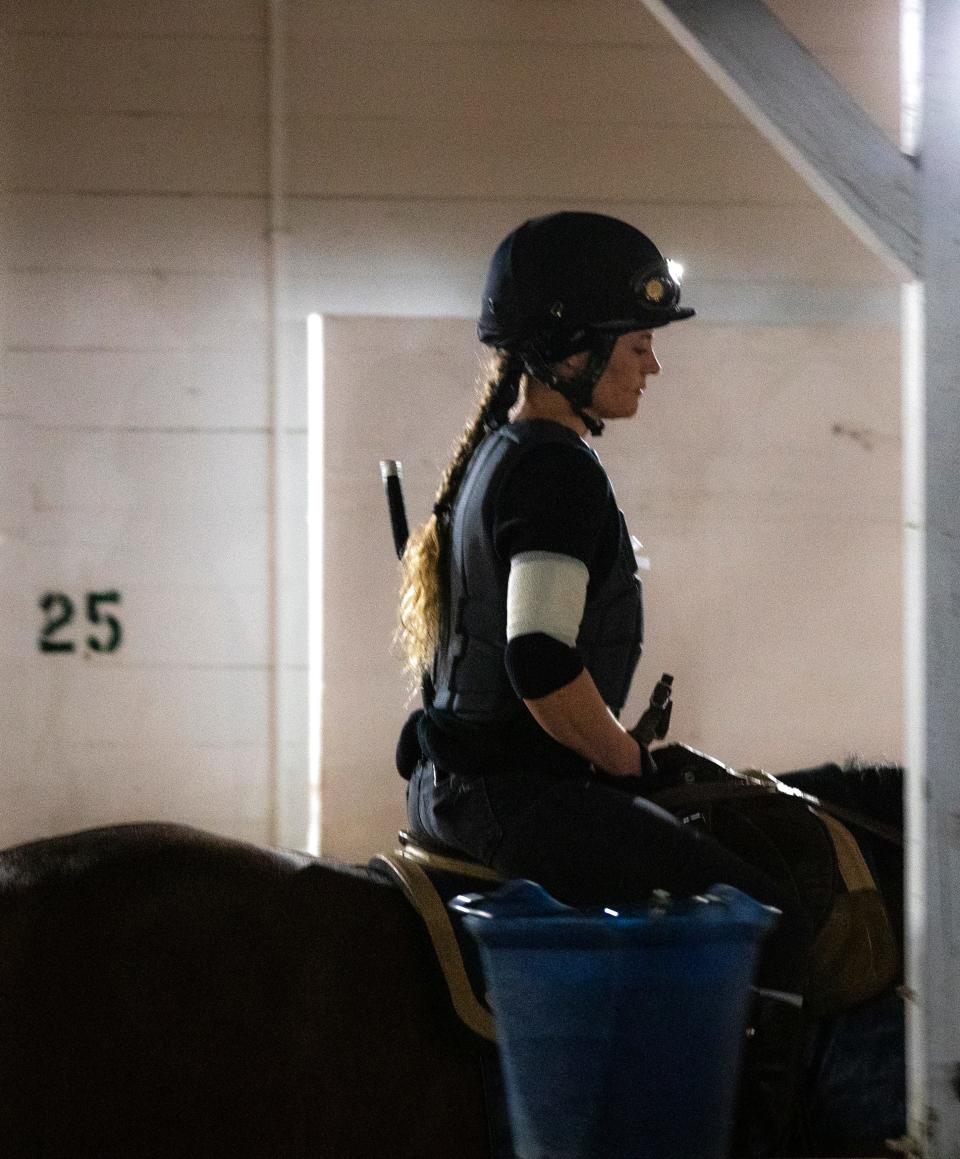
(521, 618)
(520, 608)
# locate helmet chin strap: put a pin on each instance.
(594, 425)
(577, 390)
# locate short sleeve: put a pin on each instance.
(555, 507)
(555, 500)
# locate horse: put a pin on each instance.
(168, 992)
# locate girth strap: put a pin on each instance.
(406, 866)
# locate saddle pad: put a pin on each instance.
(855, 955)
(429, 881)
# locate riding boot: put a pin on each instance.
(769, 1113)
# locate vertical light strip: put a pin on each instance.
(913, 424)
(914, 467)
(911, 75)
(316, 467)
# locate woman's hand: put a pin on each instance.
(576, 716)
(655, 722)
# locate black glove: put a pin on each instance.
(655, 722)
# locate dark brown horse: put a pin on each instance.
(165, 992)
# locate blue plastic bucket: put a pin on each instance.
(620, 1032)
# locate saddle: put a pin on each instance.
(799, 840)
(781, 831)
(430, 876)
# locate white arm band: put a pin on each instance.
(546, 593)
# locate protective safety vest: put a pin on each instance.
(470, 678)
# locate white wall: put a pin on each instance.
(137, 347)
(142, 351)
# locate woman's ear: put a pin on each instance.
(575, 362)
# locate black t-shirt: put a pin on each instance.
(558, 499)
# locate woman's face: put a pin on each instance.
(619, 388)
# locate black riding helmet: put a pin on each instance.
(572, 282)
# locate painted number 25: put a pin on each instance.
(60, 610)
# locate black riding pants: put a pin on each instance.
(589, 843)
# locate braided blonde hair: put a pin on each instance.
(421, 597)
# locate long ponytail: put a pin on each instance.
(421, 594)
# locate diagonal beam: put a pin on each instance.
(807, 116)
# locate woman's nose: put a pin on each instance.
(651, 364)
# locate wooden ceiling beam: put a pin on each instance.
(807, 116)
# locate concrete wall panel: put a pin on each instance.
(437, 158)
(90, 74)
(504, 81)
(473, 25)
(195, 388)
(170, 625)
(133, 471)
(77, 545)
(136, 311)
(65, 152)
(221, 788)
(219, 19)
(201, 707)
(194, 234)
(602, 83)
